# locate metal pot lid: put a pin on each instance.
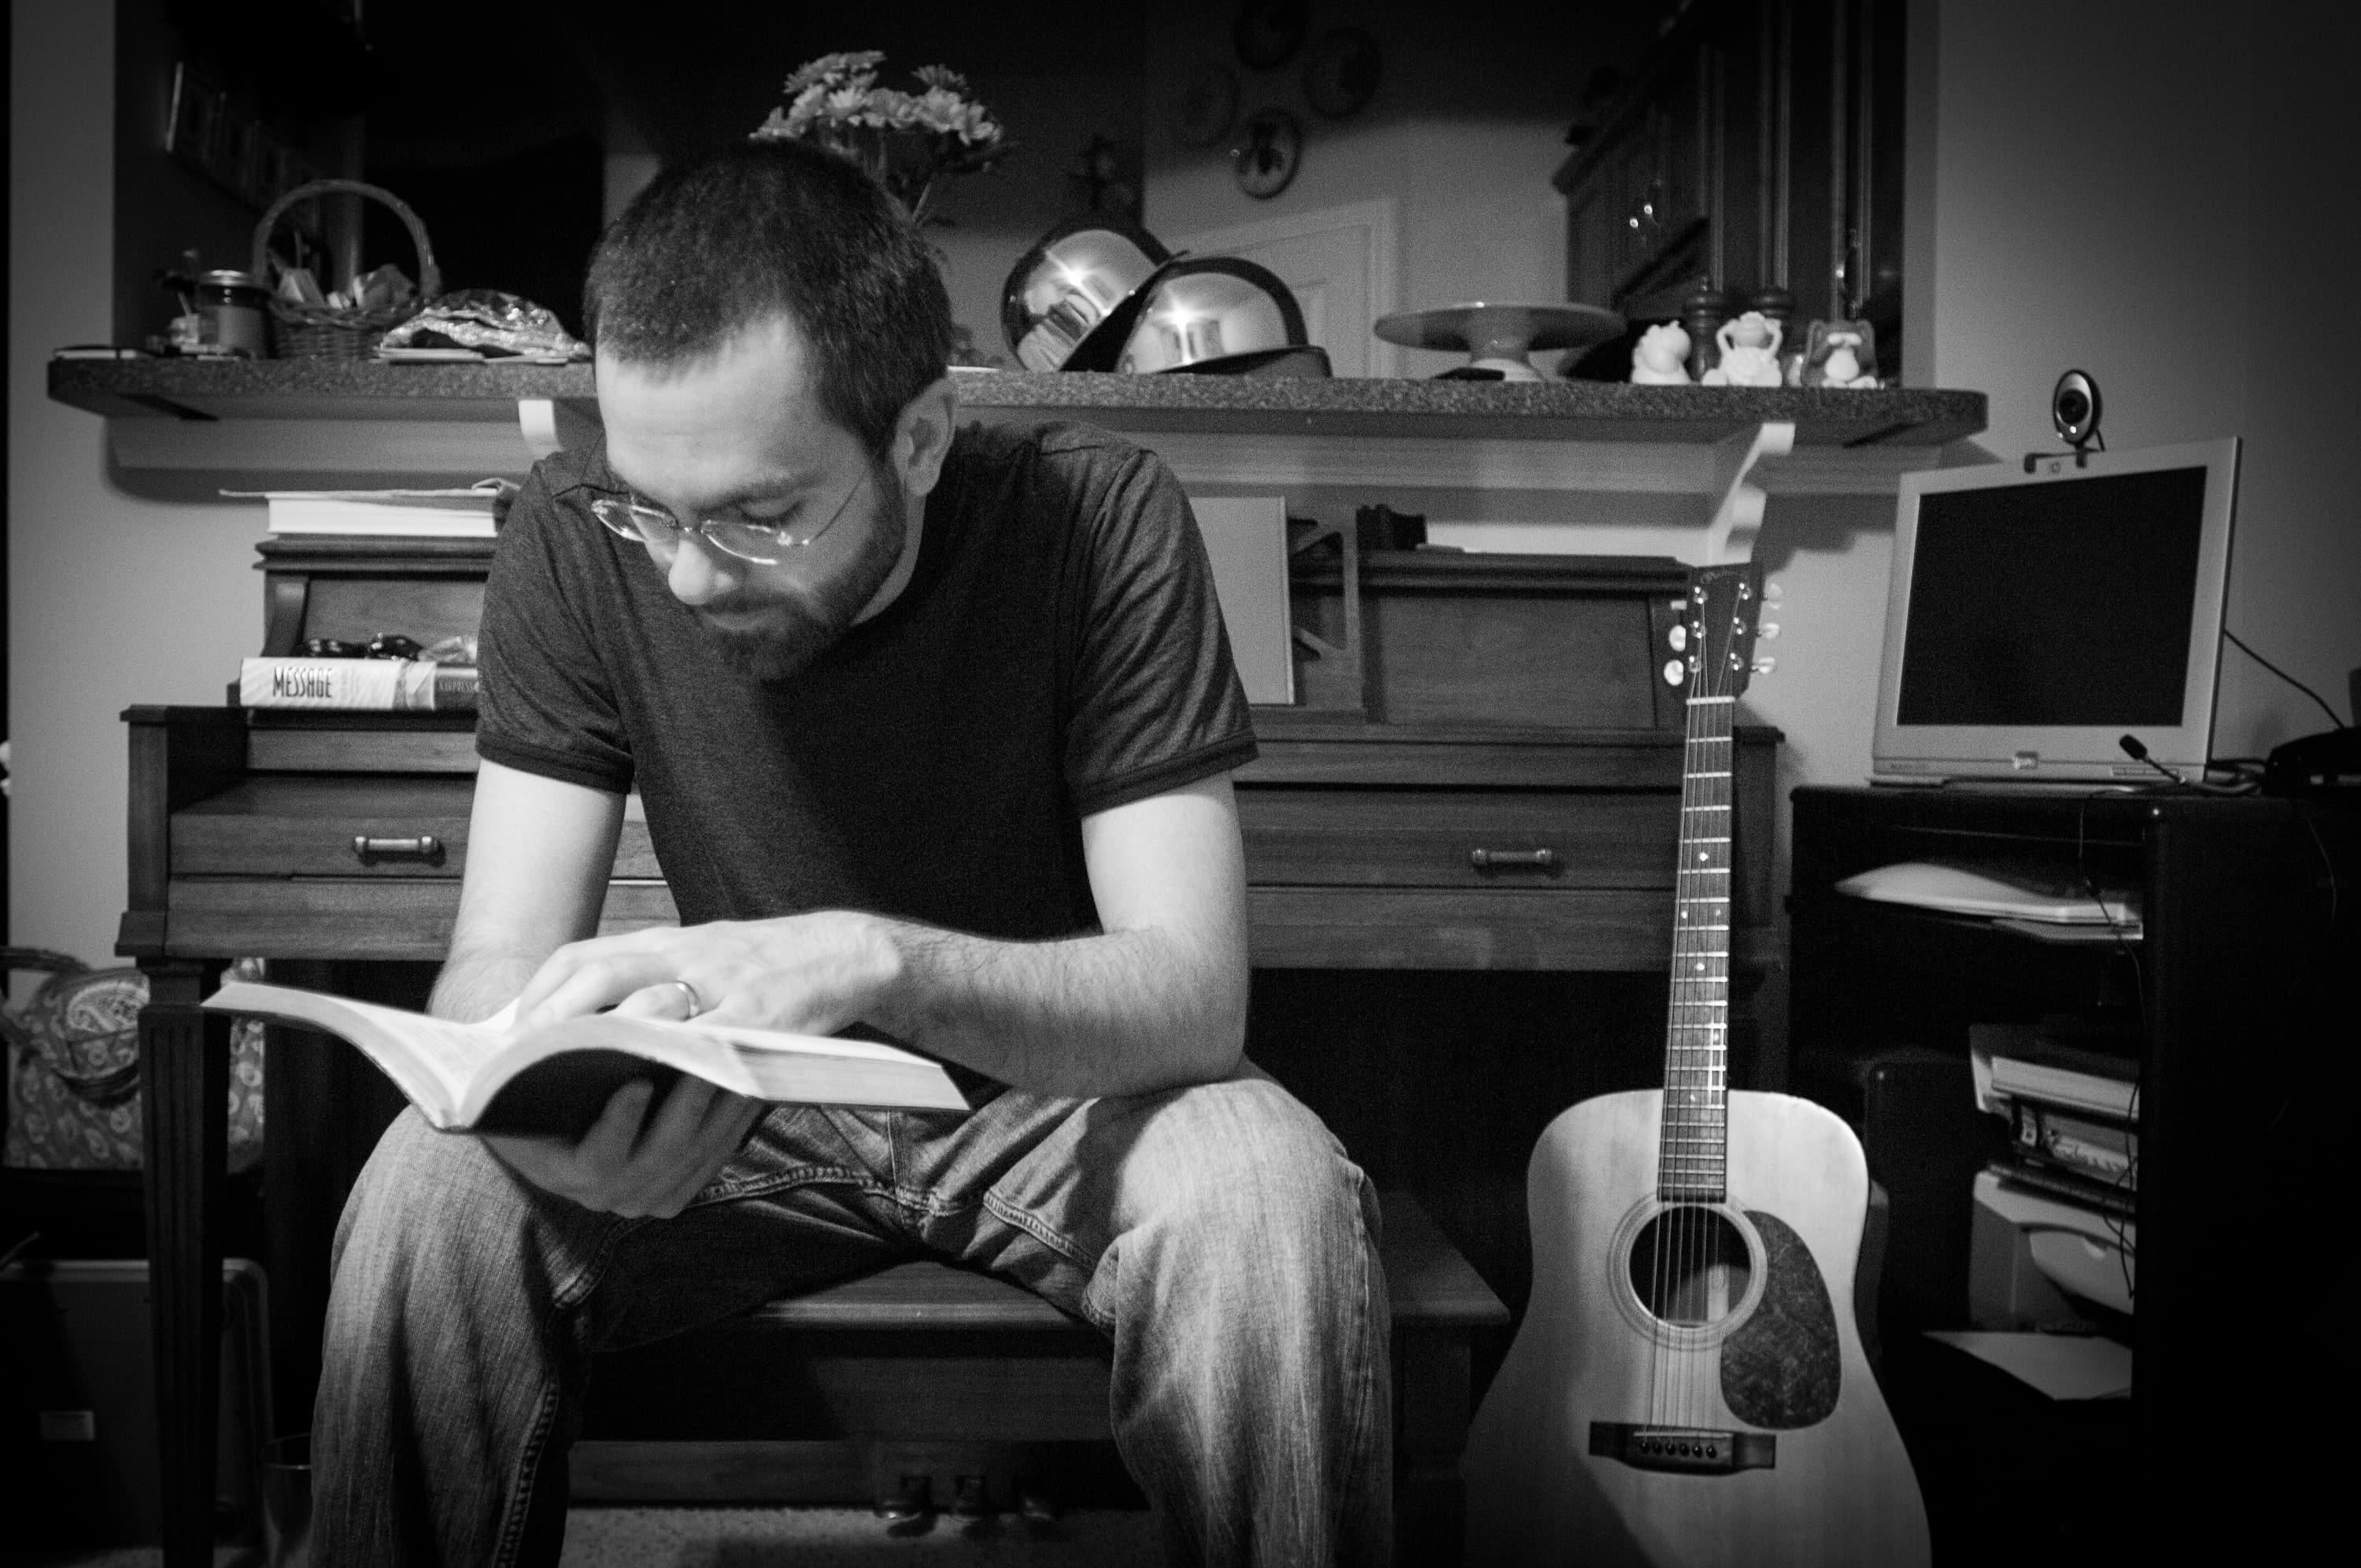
(1070, 283)
(1201, 309)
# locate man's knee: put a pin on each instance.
(1246, 1161)
(424, 1194)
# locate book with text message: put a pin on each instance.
(390, 685)
(555, 1079)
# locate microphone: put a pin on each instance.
(2138, 753)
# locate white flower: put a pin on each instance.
(909, 140)
(831, 69)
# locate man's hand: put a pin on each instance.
(810, 974)
(640, 1160)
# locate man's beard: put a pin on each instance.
(809, 617)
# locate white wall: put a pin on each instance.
(2164, 193)
(113, 600)
(1466, 126)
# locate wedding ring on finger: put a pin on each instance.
(688, 995)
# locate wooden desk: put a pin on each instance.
(1360, 848)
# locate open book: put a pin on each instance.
(555, 1079)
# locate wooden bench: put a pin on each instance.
(927, 1369)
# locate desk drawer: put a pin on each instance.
(354, 918)
(352, 825)
(1488, 839)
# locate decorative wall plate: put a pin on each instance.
(1268, 31)
(1208, 101)
(1266, 155)
(1341, 73)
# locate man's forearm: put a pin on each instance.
(1122, 1012)
(478, 982)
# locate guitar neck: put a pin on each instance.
(1692, 1160)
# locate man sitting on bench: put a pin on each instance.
(934, 727)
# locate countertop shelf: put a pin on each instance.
(203, 390)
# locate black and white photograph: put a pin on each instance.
(1250, 784)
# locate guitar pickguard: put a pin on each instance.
(1783, 1367)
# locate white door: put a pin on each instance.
(1340, 264)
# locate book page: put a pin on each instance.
(760, 1064)
(431, 1061)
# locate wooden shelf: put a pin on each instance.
(207, 390)
(1693, 464)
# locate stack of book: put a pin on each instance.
(473, 513)
(391, 673)
(2073, 1110)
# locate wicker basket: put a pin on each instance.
(330, 332)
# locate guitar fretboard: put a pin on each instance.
(1692, 1159)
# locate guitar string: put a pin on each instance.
(1660, 1364)
(1684, 996)
(1671, 1241)
(1705, 1133)
(1682, 1244)
(1697, 1098)
(1695, 1116)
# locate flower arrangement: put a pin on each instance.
(911, 141)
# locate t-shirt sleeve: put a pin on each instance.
(545, 705)
(1156, 703)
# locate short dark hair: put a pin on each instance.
(771, 229)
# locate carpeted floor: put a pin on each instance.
(781, 1538)
(845, 1537)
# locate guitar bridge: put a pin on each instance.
(1692, 1451)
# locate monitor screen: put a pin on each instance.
(2054, 604)
(2036, 618)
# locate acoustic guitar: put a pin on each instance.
(1689, 1386)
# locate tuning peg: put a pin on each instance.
(1770, 629)
(1678, 636)
(1765, 664)
(1674, 672)
(1772, 593)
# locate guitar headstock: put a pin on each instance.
(1719, 622)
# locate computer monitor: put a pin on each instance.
(2035, 619)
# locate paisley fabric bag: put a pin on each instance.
(73, 1066)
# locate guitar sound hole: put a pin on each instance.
(1690, 1266)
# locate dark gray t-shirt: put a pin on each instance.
(1058, 650)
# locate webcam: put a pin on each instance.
(2074, 409)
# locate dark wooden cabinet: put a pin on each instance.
(1757, 146)
(2236, 997)
(1367, 844)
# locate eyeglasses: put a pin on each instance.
(765, 543)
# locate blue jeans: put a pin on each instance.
(1217, 1234)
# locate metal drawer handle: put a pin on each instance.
(1513, 860)
(424, 846)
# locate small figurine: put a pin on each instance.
(1749, 353)
(1661, 356)
(1840, 354)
